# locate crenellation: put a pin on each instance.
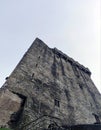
(74, 63)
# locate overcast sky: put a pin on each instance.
(72, 26)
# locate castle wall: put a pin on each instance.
(54, 85)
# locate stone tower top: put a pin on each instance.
(64, 56)
(47, 87)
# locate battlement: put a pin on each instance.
(72, 61)
(64, 56)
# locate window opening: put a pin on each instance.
(56, 103)
(39, 57)
(81, 86)
(36, 65)
(96, 118)
(32, 75)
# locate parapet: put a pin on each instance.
(65, 57)
(71, 61)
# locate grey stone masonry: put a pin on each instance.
(51, 88)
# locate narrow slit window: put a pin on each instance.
(81, 86)
(36, 65)
(32, 75)
(39, 57)
(56, 103)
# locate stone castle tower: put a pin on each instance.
(48, 88)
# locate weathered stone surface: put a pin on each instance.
(55, 85)
(10, 104)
